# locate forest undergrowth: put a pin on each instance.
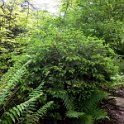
(57, 67)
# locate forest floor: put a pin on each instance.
(115, 107)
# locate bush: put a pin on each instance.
(68, 68)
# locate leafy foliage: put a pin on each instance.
(13, 22)
(90, 110)
(34, 118)
(16, 112)
(103, 19)
(62, 67)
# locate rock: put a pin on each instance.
(115, 108)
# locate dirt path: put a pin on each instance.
(115, 108)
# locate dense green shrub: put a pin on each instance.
(67, 68)
(60, 68)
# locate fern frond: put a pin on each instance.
(90, 106)
(36, 91)
(98, 113)
(62, 94)
(82, 117)
(15, 113)
(12, 82)
(91, 111)
(94, 99)
(74, 114)
(34, 118)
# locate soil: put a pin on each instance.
(114, 105)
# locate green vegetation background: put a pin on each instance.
(56, 67)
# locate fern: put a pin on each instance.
(90, 106)
(74, 114)
(12, 82)
(34, 118)
(82, 117)
(99, 114)
(63, 95)
(93, 101)
(90, 111)
(36, 91)
(15, 113)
